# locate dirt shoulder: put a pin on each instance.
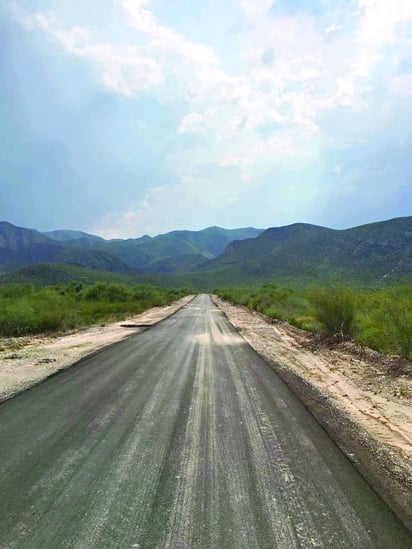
(356, 394)
(24, 362)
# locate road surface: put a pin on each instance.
(179, 437)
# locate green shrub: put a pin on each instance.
(272, 312)
(334, 308)
(28, 310)
(107, 292)
(383, 316)
(398, 317)
(17, 320)
(303, 322)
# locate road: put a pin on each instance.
(179, 437)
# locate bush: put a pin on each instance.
(26, 310)
(383, 316)
(17, 320)
(334, 308)
(398, 317)
(107, 292)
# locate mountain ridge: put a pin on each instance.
(301, 253)
(20, 247)
(364, 253)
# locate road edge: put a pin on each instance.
(388, 475)
(383, 469)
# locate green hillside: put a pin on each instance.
(99, 260)
(161, 253)
(178, 251)
(377, 254)
(44, 274)
(374, 254)
(73, 236)
(19, 247)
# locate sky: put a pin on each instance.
(132, 117)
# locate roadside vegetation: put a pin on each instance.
(26, 309)
(380, 319)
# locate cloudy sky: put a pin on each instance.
(125, 117)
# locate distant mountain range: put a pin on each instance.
(373, 254)
(177, 251)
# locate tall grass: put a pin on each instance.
(26, 309)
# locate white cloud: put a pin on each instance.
(402, 86)
(333, 28)
(382, 19)
(152, 215)
(191, 122)
(124, 70)
(338, 169)
(198, 63)
(255, 9)
(167, 207)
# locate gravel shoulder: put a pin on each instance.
(355, 394)
(27, 361)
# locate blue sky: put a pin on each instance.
(127, 117)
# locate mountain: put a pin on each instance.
(91, 258)
(78, 238)
(184, 263)
(161, 253)
(20, 247)
(178, 251)
(376, 253)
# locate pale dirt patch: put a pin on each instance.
(360, 381)
(26, 361)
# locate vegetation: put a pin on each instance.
(27, 309)
(380, 319)
(334, 309)
(51, 274)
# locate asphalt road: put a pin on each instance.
(179, 437)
